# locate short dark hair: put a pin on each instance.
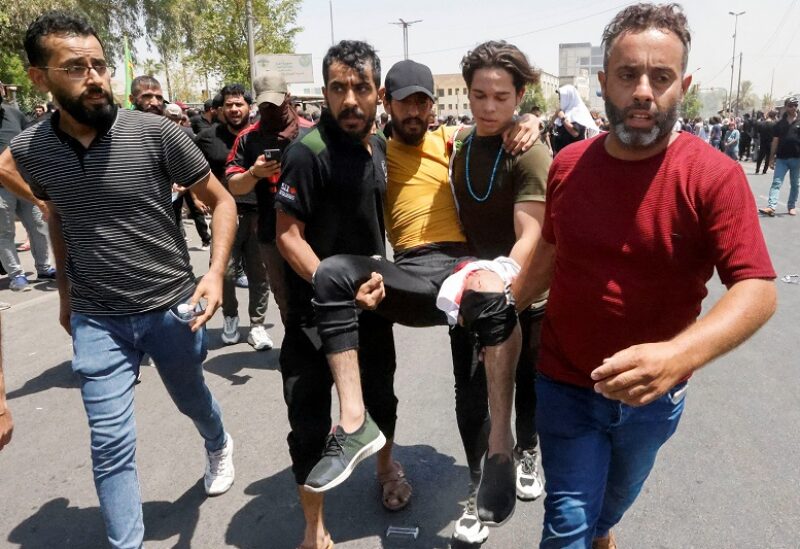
(502, 55)
(235, 89)
(144, 81)
(640, 17)
(356, 55)
(53, 22)
(208, 104)
(217, 101)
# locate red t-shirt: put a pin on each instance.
(636, 243)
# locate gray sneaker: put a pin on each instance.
(468, 527)
(343, 451)
(529, 478)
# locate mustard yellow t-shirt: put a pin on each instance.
(419, 207)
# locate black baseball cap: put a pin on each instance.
(409, 77)
(790, 101)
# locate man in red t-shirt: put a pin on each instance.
(636, 221)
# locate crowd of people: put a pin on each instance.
(514, 232)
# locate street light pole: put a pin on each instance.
(405, 25)
(738, 86)
(331, 7)
(733, 57)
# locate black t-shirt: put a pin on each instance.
(788, 138)
(765, 130)
(12, 122)
(249, 145)
(216, 143)
(560, 137)
(332, 184)
(200, 124)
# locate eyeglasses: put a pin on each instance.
(79, 72)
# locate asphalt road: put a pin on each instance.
(728, 479)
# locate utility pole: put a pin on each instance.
(251, 47)
(738, 86)
(405, 25)
(330, 4)
(733, 57)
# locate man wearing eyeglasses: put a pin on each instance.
(125, 283)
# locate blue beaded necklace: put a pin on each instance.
(491, 179)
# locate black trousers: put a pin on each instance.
(763, 155)
(412, 283)
(197, 216)
(472, 399)
(307, 385)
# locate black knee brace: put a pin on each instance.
(488, 315)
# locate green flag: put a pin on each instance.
(128, 74)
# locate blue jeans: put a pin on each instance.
(783, 165)
(11, 207)
(596, 455)
(108, 350)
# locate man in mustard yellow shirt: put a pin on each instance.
(423, 227)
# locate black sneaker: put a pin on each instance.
(343, 451)
(497, 494)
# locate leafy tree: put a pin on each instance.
(533, 98)
(218, 45)
(692, 106)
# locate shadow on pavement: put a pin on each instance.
(57, 377)
(56, 524)
(274, 518)
(229, 365)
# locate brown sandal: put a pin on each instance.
(395, 487)
(329, 546)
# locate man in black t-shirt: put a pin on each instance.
(202, 122)
(785, 157)
(765, 129)
(216, 144)
(330, 202)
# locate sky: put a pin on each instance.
(767, 33)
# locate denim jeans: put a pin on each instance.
(596, 455)
(108, 350)
(783, 165)
(32, 220)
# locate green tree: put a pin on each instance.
(533, 98)
(692, 106)
(12, 72)
(218, 46)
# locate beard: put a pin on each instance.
(152, 109)
(368, 119)
(97, 116)
(407, 135)
(637, 138)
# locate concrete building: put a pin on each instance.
(451, 95)
(578, 64)
(549, 84)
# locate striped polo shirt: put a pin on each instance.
(125, 254)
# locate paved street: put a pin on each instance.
(728, 479)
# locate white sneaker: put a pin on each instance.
(219, 469)
(468, 527)
(230, 330)
(259, 338)
(529, 479)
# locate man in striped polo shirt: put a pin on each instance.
(105, 175)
